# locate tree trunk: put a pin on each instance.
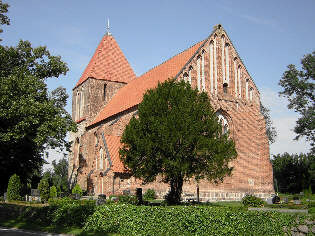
(174, 195)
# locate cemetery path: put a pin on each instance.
(22, 232)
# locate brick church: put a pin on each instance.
(107, 96)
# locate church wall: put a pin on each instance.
(252, 169)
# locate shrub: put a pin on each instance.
(77, 190)
(14, 188)
(127, 199)
(149, 195)
(252, 201)
(125, 219)
(43, 188)
(53, 192)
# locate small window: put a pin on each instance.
(225, 88)
(104, 92)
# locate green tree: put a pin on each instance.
(4, 20)
(294, 173)
(77, 190)
(31, 118)
(43, 188)
(176, 136)
(270, 129)
(298, 86)
(14, 188)
(60, 174)
(53, 192)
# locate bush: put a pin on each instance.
(125, 219)
(127, 199)
(252, 201)
(149, 195)
(77, 190)
(53, 192)
(14, 188)
(43, 188)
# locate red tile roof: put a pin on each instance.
(113, 144)
(108, 63)
(132, 93)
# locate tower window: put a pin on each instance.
(225, 88)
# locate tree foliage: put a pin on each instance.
(294, 173)
(43, 188)
(270, 129)
(176, 136)
(31, 118)
(14, 188)
(77, 190)
(53, 192)
(4, 20)
(298, 86)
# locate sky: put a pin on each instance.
(268, 35)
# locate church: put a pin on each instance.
(107, 96)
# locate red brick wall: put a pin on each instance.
(252, 169)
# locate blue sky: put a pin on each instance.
(268, 35)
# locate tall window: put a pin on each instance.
(251, 94)
(246, 88)
(223, 121)
(225, 88)
(239, 71)
(215, 65)
(198, 73)
(235, 76)
(77, 110)
(101, 158)
(185, 77)
(203, 82)
(211, 66)
(223, 57)
(227, 63)
(81, 103)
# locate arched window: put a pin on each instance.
(223, 57)
(101, 158)
(189, 74)
(185, 77)
(246, 87)
(81, 102)
(225, 88)
(235, 76)
(211, 65)
(227, 63)
(251, 94)
(239, 74)
(198, 72)
(215, 64)
(203, 82)
(77, 110)
(223, 121)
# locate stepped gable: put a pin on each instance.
(113, 143)
(132, 94)
(108, 63)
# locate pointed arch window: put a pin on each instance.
(222, 119)
(251, 94)
(189, 74)
(104, 92)
(185, 77)
(223, 57)
(77, 110)
(203, 82)
(246, 88)
(198, 72)
(81, 103)
(211, 48)
(101, 158)
(227, 63)
(239, 74)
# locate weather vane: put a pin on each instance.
(108, 28)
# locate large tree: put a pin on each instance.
(31, 118)
(294, 173)
(4, 20)
(298, 86)
(176, 136)
(270, 129)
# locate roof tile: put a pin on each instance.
(132, 93)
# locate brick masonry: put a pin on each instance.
(252, 169)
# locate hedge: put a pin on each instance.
(186, 220)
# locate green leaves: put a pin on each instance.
(299, 88)
(177, 135)
(31, 119)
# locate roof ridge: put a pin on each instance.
(169, 59)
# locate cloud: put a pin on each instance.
(284, 120)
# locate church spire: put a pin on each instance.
(108, 28)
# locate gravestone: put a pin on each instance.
(285, 200)
(5, 197)
(269, 201)
(35, 192)
(139, 196)
(101, 199)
